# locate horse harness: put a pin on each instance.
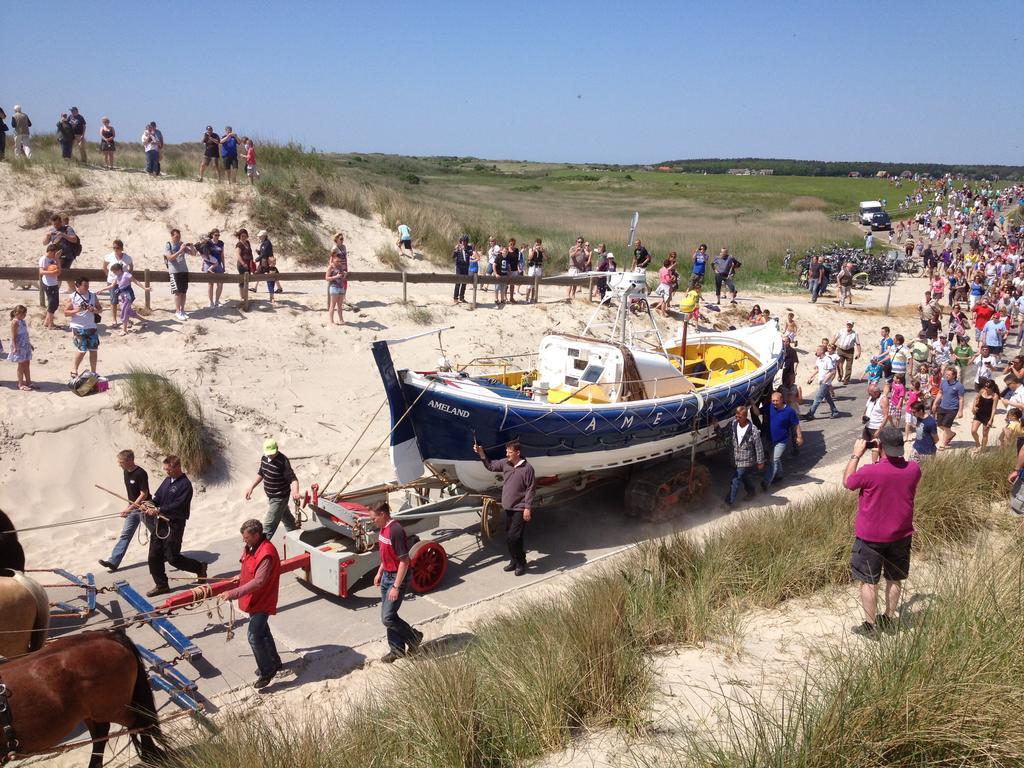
(9, 741)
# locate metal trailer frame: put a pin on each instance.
(86, 582)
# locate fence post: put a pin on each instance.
(590, 289)
(245, 292)
(405, 289)
(536, 286)
(475, 276)
(42, 294)
(146, 287)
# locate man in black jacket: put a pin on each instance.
(517, 491)
(461, 255)
(172, 500)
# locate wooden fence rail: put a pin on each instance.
(30, 276)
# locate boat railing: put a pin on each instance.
(504, 362)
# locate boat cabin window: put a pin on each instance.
(592, 374)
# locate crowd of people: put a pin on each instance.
(221, 151)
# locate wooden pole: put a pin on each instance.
(245, 292)
(536, 287)
(590, 289)
(146, 286)
(42, 295)
(405, 289)
(475, 276)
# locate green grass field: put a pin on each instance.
(758, 218)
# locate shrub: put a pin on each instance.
(419, 314)
(390, 258)
(170, 417)
(221, 200)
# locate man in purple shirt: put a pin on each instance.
(518, 486)
(884, 526)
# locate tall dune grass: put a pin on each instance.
(533, 677)
(169, 416)
(944, 690)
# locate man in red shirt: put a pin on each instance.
(256, 594)
(392, 578)
(983, 312)
(884, 526)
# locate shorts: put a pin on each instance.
(67, 261)
(868, 433)
(336, 290)
(910, 419)
(406, 244)
(250, 170)
(52, 297)
(664, 291)
(207, 159)
(86, 339)
(535, 271)
(112, 294)
(997, 351)
(243, 270)
(108, 146)
(231, 161)
(945, 418)
(573, 271)
(871, 559)
(179, 282)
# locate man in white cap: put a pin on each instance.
(22, 133)
(278, 479)
(884, 526)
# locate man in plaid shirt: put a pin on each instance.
(747, 453)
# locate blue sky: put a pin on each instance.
(555, 81)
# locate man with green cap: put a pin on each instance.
(278, 479)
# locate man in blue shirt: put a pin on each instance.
(173, 501)
(782, 420)
(229, 153)
(948, 406)
(994, 332)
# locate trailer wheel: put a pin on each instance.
(490, 517)
(429, 564)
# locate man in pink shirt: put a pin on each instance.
(884, 526)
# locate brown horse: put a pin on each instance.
(24, 614)
(93, 677)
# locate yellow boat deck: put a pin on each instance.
(705, 365)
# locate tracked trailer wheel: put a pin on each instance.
(660, 493)
(491, 514)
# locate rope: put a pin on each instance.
(387, 436)
(361, 434)
(78, 521)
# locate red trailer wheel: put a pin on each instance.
(429, 563)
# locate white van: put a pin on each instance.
(868, 209)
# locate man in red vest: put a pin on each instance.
(257, 595)
(393, 579)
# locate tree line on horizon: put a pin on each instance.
(785, 167)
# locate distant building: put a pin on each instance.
(907, 175)
(664, 168)
(882, 175)
(854, 174)
(766, 172)
(739, 171)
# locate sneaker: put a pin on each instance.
(392, 656)
(108, 565)
(509, 568)
(262, 681)
(835, 414)
(867, 630)
(416, 642)
(886, 623)
(157, 591)
(520, 570)
(808, 417)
